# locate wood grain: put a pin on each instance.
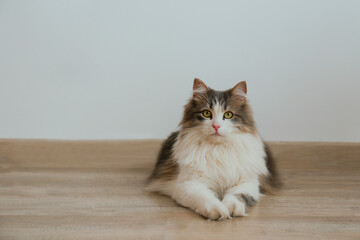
(95, 190)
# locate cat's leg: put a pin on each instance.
(241, 196)
(197, 196)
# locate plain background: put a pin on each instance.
(124, 69)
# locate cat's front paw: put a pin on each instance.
(236, 208)
(214, 211)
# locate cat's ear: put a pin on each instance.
(199, 88)
(239, 91)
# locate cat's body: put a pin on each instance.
(216, 162)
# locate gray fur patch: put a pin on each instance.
(249, 200)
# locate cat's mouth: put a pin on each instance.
(216, 134)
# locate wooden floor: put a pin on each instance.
(95, 190)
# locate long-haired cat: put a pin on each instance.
(216, 163)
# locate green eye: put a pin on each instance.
(228, 115)
(206, 113)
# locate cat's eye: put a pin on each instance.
(206, 113)
(228, 115)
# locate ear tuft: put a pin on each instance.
(199, 88)
(240, 90)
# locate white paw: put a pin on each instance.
(236, 208)
(214, 211)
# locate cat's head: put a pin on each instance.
(218, 115)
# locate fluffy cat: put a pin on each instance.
(216, 163)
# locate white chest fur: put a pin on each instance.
(220, 166)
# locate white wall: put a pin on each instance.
(124, 69)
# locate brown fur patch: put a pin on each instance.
(271, 182)
(165, 168)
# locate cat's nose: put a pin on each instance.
(216, 127)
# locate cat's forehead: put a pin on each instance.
(218, 99)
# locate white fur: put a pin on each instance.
(213, 169)
(220, 165)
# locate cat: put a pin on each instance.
(216, 163)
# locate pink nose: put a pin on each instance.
(216, 127)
